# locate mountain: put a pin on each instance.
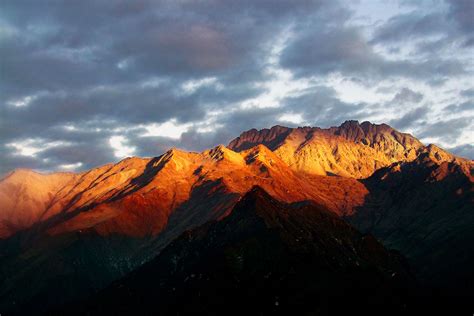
(350, 150)
(424, 208)
(266, 257)
(124, 197)
(103, 223)
(25, 195)
(84, 230)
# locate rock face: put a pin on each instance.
(425, 209)
(87, 229)
(350, 150)
(267, 257)
(135, 197)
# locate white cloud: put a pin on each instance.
(294, 118)
(280, 83)
(20, 102)
(70, 167)
(169, 129)
(32, 146)
(191, 86)
(121, 149)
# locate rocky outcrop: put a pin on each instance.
(350, 150)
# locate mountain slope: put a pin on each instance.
(266, 257)
(420, 197)
(113, 218)
(424, 209)
(25, 195)
(351, 150)
(136, 196)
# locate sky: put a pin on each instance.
(84, 83)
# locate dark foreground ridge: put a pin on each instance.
(266, 257)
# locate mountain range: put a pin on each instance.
(360, 207)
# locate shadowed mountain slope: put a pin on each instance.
(266, 257)
(425, 209)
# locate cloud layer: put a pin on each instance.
(89, 82)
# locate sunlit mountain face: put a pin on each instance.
(303, 217)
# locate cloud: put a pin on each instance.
(320, 106)
(344, 50)
(410, 118)
(469, 93)
(408, 26)
(448, 130)
(466, 150)
(435, 30)
(459, 108)
(151, 75)
(461, 11)
(407, 95)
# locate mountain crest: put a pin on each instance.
(271, 138)
(352, 149)
(220, 153)
(253, 195)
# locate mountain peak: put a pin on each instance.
(350, 123)
(271, 138)
(174, 151)
(366, 132)
(221, 153)
(255, 193)
(352, 149)
(252, 198)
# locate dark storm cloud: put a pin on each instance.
(469, 93)
(410, 118)
(458, 108)
(90, 155)
(123, 105)
(462, 12)
(84, 61)
(246, 119)
(407, 95)
(10, 162)
(448, 130)
(344, 50)
(410, 25)
(320, 106)
(74, 74)
(454, 27)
